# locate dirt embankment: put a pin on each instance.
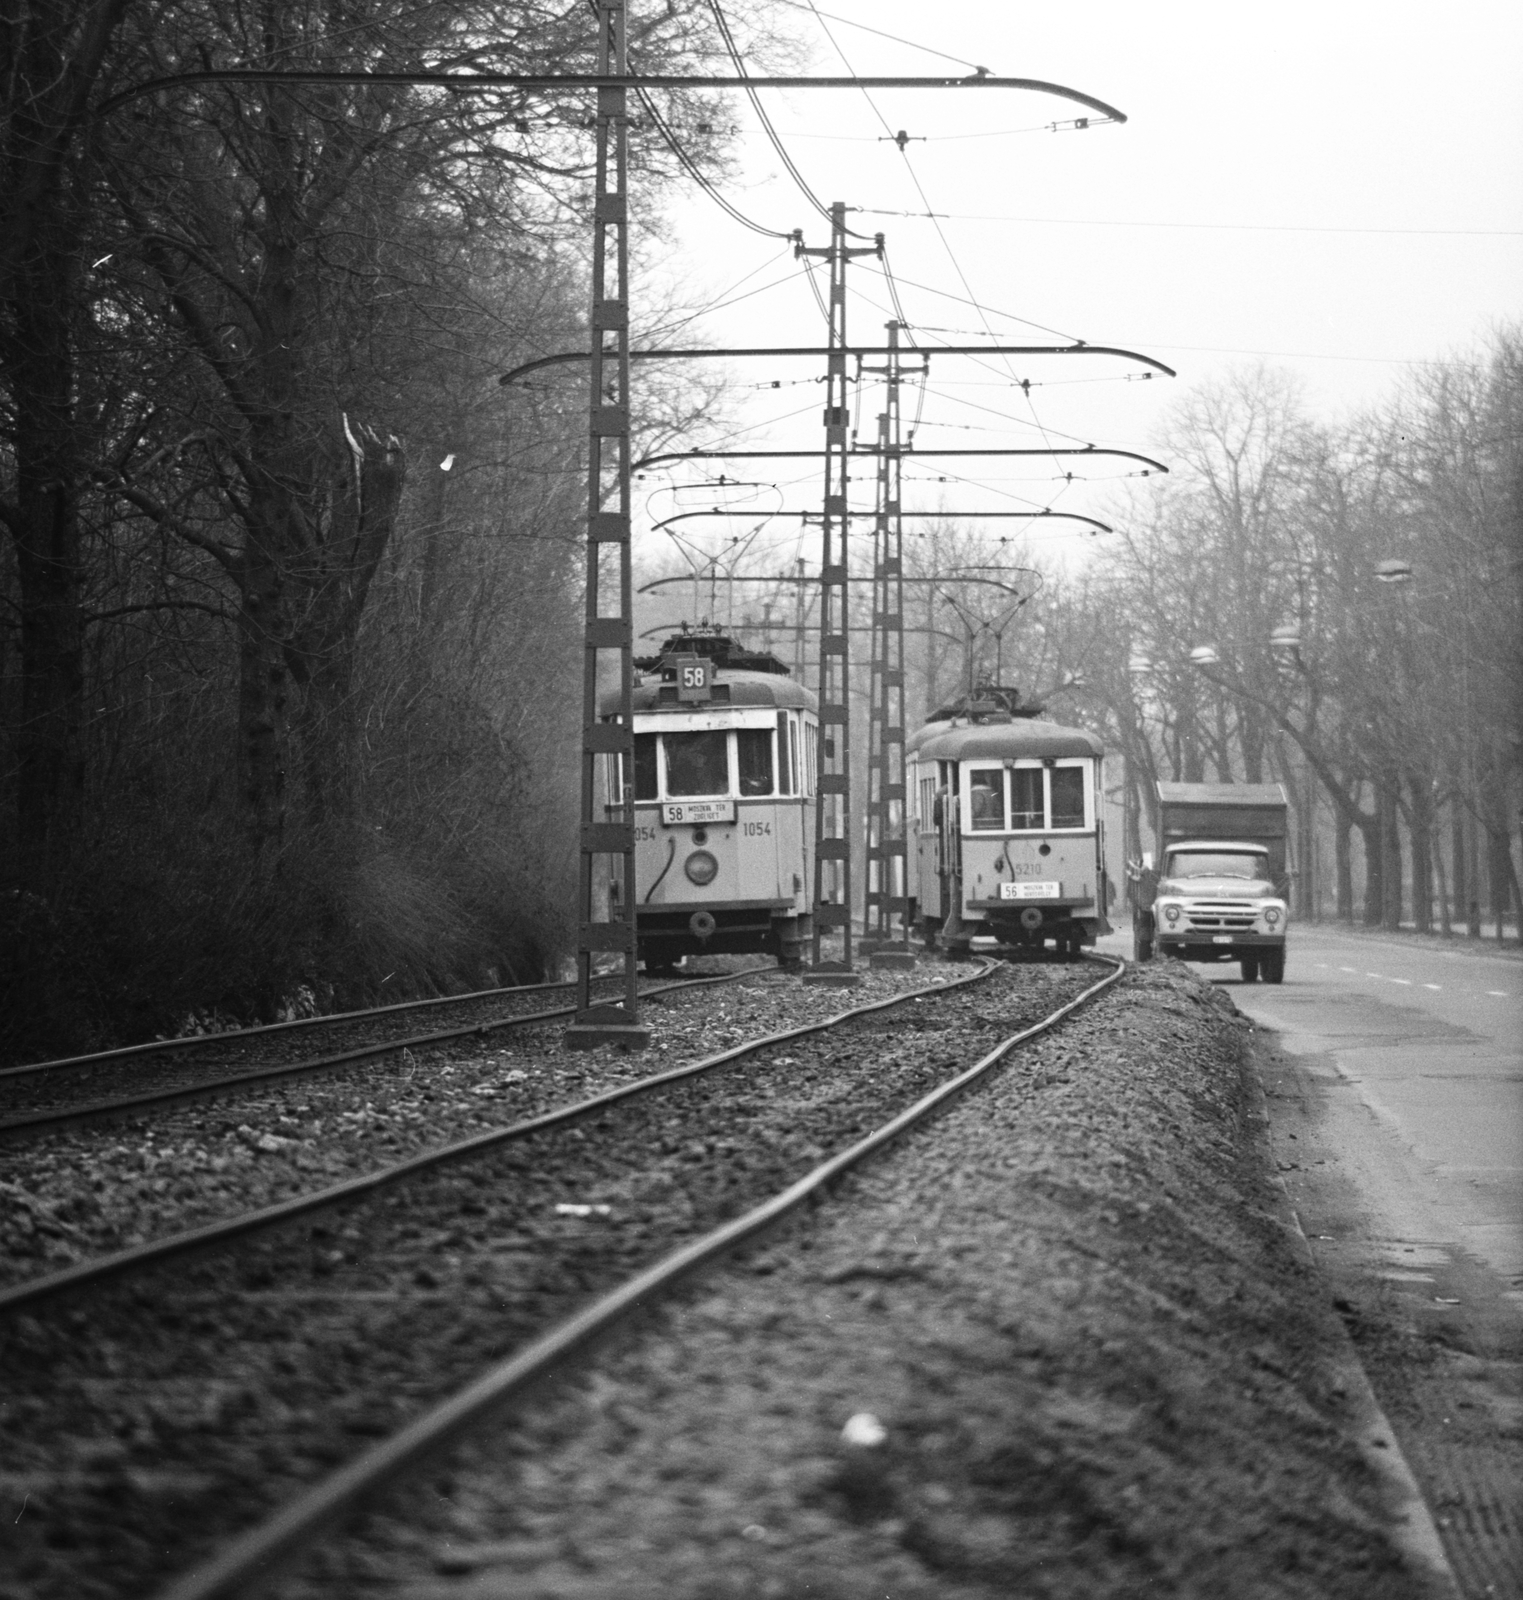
(1099, 1362)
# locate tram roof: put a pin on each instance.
(745, 689)
(1021, 736)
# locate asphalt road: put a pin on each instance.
(1394, 1081)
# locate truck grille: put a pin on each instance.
(1222, 915)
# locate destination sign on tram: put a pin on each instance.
(1030, 891)
(679, 813)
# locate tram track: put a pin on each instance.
(472, 1261)
(51, 1096)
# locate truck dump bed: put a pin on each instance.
(1251, 813)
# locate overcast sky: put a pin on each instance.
(1336, 189)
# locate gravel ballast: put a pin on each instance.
(1074, 1307)
(154, 1416)
(76, 1193)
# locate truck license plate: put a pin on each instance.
(1030, 891)
(677, 813)
(1221, 938)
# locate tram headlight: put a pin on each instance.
(701, 868)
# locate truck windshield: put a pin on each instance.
(1216, 864)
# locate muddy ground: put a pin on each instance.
(1093, 1355)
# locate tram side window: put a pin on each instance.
(645, 766)
(927, 804)
(697, 763)
(1068, 797)
(753, 750)
(1026, 809)
(986, 797)
(784, 765)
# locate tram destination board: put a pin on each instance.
(687, 813)
(1030, 891)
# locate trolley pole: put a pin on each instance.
(832, 811)
(610, 608)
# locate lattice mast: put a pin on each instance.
(886, 923)
(832, 815)
(609, 635)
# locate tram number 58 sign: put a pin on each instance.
(695, 678)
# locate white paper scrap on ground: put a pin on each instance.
(864, 1429)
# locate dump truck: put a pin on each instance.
(1217, 887)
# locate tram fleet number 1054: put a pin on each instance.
(723, 785)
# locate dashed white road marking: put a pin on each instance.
(1406, 981)
(1501, 994)
(1433, 986)
(1374, 974)
(1354, 970)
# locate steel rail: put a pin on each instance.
(102, 1268)
(191, 1040)
(98, 1110)
(256, 1557)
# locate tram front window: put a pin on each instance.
(1068, 797)
(986, 797)
(697, 763)
(753, 750)
(645, 766)
(1026, 798)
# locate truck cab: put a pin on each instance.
(1214, 896)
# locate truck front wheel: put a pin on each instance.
(1272, 965)
(1250, 969)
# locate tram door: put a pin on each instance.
(949, 838)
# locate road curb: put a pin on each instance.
(1413, 1529)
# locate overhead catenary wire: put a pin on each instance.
(699, 177)
(722, 22)
(930, 50)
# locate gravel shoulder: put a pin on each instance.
(1100, 1360)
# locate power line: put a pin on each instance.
(1213, 227)
(699, 177)
(723, 24)
(797, 5)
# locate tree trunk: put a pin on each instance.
(1390, 847)
(263, 698)
(1445, 922)
(1344, 868)
(1457, 855)
(1373, 836)
(1421, 826)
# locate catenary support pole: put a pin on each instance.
(607, 840)
(886, 921)
(832, 812)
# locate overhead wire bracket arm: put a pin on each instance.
(477, 82)
(817, 351)
(1043, 515)
(870, 451)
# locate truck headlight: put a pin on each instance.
(1272, 915)
(1171, 914)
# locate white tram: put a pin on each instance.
(724, 782)
(1008, 831)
